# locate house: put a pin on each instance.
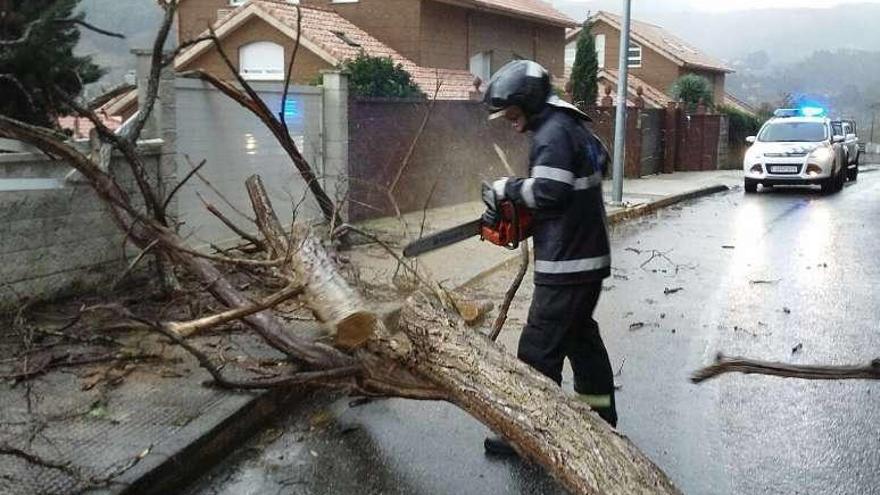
(656, 58)
(478, 36)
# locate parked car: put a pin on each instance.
(853, 152)
(796, 147)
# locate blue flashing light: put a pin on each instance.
(292, 109)
(812, 111)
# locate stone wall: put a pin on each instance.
(56, 237)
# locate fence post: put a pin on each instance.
(670, 138)
(335, 136)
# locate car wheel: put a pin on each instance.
(750, 185)
(841, 179)
(853, 173)
(828, 185)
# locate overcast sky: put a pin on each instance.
(712, 5)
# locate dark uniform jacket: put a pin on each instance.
(564, 192)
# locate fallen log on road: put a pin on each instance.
(724, 364)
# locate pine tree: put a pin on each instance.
(585, 69)
(37, 63)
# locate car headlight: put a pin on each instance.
(821, 154)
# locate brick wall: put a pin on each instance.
(195, 16)
(656, 70)
(455, 152)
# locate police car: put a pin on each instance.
(796, 147)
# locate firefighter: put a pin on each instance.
(572, 254)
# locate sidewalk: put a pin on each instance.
(475, 259)
(158, 426)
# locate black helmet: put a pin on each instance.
(522, 83)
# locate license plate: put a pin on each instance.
(784, 169)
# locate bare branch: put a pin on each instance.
(186, 329)
(250, 100)
(323, 377)
(511, 291)
(289, 74)
(170, 57)
(180, 184)
(412, 145)
(65, 468)
(258, 244)
(226, 260)
(155, 72)
(747, 366)
(137, 259)
(90, 27)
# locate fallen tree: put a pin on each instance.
(423, 351)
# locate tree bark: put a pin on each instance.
(431, 352)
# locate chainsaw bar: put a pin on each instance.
(443, 238)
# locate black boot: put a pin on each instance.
(497, 445)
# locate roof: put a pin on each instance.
(661, 41)
(654, 98)
(734, 102)
(533, 9)
(80, 127)
(334, 39)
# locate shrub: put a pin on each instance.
(584, 86)
(691, 89)
(379, 77)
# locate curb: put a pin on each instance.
(205, 442)
(614, 218)
(648, 208)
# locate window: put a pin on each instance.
(600, 50)
(634, 57)
(262, 61)
(570, 53)
(481, 66)
(792, 132)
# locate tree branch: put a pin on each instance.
(511, 291)
(189, 328)
(747, 366)
(289, 74)
(180, 184)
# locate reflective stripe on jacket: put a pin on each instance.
(564, 190)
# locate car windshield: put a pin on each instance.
(781, 132)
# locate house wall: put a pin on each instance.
(305, 69)
(194, 16)
(656, 70)
(444, 36)
(508, 37)
(393, 22)
(717, 80)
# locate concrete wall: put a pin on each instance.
(455, 152)
(651, 124)
(56, 236)
(235, 145)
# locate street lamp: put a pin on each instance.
(620, 119)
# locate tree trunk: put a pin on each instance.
(430, 346)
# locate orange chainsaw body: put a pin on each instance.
(515, 226)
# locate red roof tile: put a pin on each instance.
(536, 9)
(81, 127)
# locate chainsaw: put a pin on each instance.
(506, 225)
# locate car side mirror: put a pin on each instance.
(838, 139)
(751, 139)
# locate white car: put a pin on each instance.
(795, 147)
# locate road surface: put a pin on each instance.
(785, 275)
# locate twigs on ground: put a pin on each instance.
(257, 243)
(724, 364)
(511, 291)
(64, 467)
(180, 184)
(661, 255)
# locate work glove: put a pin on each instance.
(493, 194)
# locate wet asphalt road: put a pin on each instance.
(785, 275)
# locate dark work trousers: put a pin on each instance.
(561, 325)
